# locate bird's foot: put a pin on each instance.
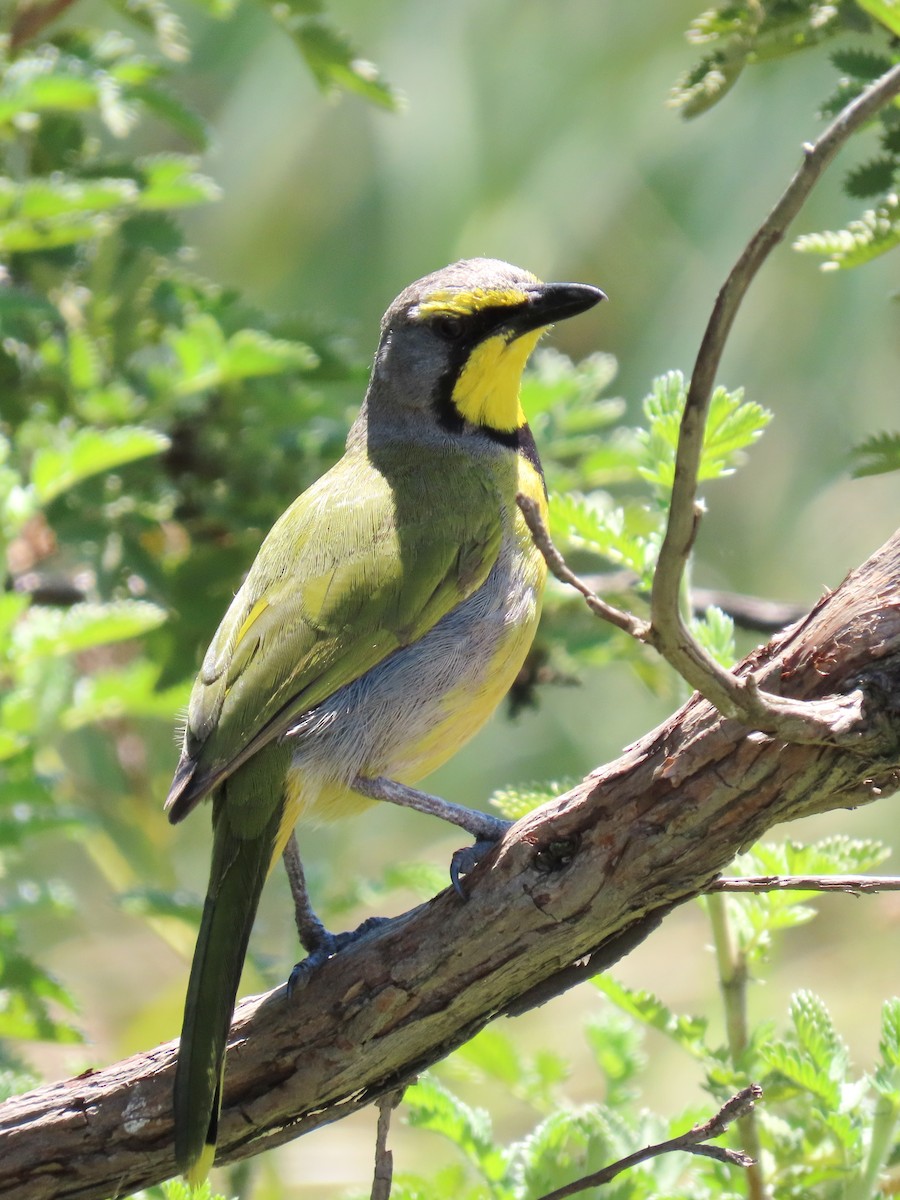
(326, 946)
(466, 859)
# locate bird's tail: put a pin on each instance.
(242, 852)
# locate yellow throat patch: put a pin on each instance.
(487, 391)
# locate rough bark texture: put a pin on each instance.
(587, 875)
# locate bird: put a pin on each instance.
(387, 613)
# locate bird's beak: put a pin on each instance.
(549, 302)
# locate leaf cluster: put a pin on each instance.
(153, 425)
(735, 36)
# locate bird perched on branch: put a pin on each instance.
(386, 615)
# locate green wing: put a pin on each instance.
(364, 562)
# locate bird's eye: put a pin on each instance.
(450, 328)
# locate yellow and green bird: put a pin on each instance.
(386, 615)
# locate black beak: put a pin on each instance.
(551, 302)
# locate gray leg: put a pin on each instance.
(482, 826)
(313, 934)
(317, 941)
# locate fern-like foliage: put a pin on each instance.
(872, 178)
(876, 232)
(877, 455)
(734, 36)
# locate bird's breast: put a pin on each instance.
(410, 713)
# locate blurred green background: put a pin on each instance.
(536, 132)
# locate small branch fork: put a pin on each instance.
(734, 696)
(694, 1141)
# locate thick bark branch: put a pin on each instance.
(584, 878)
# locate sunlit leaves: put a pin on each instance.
(40, 214)
(733, 424)
(885, 11)
(756, 919)
(434, 1107)
(813, 1057)
(206, 358)
(738, 34)
(688, 1032)
(873, 234)
(54, 632)
(56, 469)
(514, 802)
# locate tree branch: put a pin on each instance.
(691, 1142)
(852, 885)
(669, 632)
(641, 835)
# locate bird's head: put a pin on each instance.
(454, 344)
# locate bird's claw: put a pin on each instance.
(329, 944)
(465, 860)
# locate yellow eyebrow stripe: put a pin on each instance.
(465, 304)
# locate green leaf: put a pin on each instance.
(330, 56)
(553, 379)
(50, 633)
(698, 90)
(885, 11)
(572, 1143)
(687, 1032)
(514, 802)
(45, 199)
(11, 743)
(159, 20)
(871, 178)
(627, 536)
(129, 690)
(56, 469)
(887, 1072)
(432, 1106)
(11, 608)
(732, 425)
(861, 63)
(46, 81)
(26, 994)
(84, 361)
(877, 455)
(172, 181)
(617, 1044)
(814, 1059)
(207, 360)
(715, 633)
(876, 232)
(19, 236)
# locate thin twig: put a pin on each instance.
(384, 1158)
(740, 697)
(557, 566)
(827, 721)
(853, 885)
(31, 19)
(732, 1110)
(758, 614)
